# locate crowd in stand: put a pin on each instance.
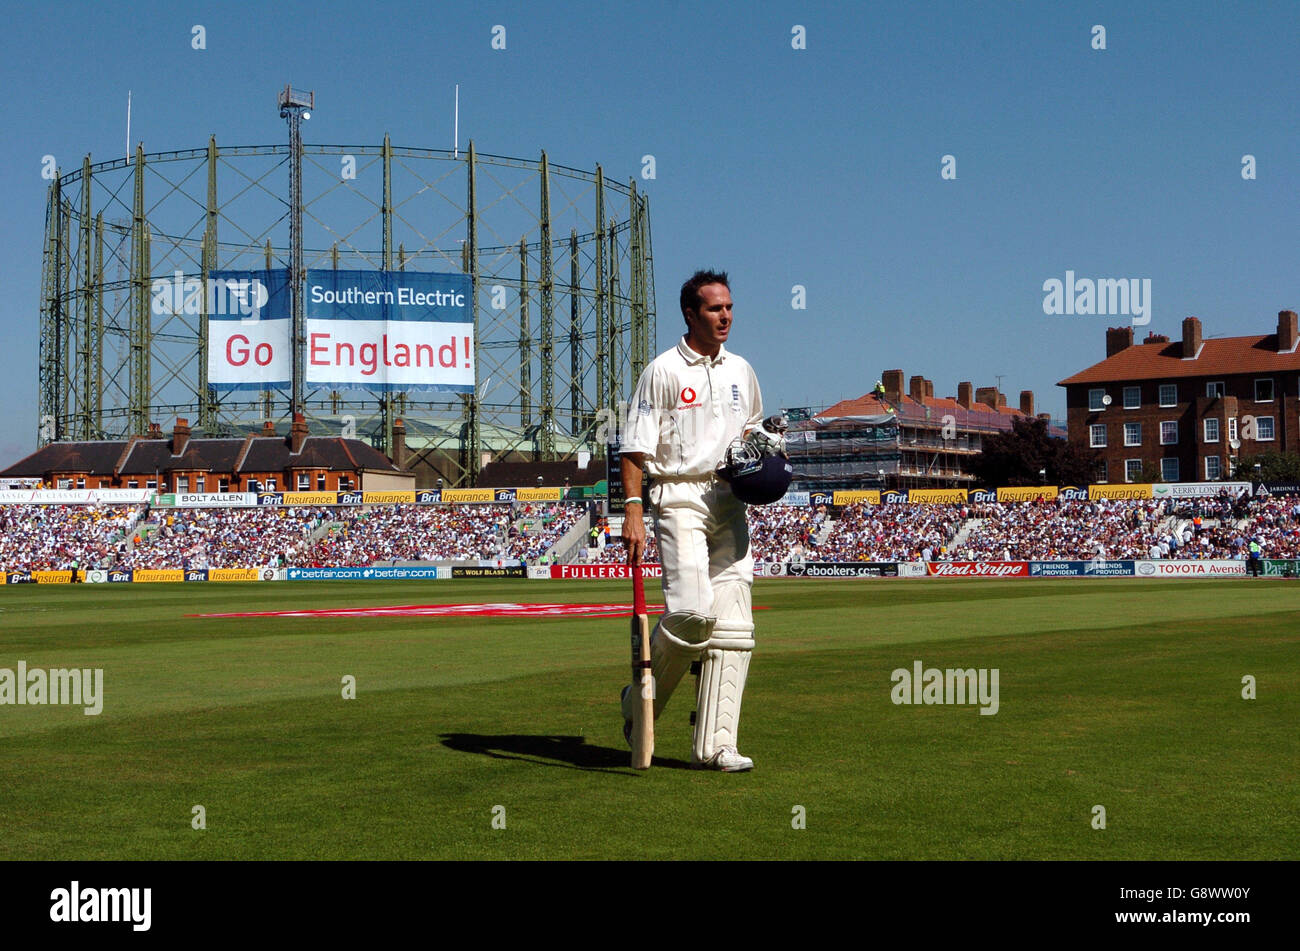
(538, 528)
(366, 536)
(612, 552)
(441, 533)
(58, 537)
(776, 533)
(1074, 530)
(223, 538)
(782, 532)
(45, 537)
(896, 532)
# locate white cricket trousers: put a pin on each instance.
(703, 538)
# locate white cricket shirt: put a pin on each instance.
(687, 409)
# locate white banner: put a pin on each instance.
(1178, 568)
(394, 354)
(212, 500)
(1189, 490)
(74, 496)
(249, 355)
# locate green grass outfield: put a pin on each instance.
(1120, 693)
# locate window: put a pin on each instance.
(304, 481)
(65, 483)
(1094, 400)
(1213, 468)
(345, 484)
(320, 482)
(1264, 390)
(1264, 429)
(1102, 471)
(81, 483)
(1214, 390)
(133, 483)
(151, 484)
(1168, 432)
(1097, 435)
(1212, 429)
(199, 483)
(1232, 429)
(1168, 394)
(1168, 470)
(1132, 434)
(254, 485)
(223, 485)
(1132, 470)
(270, 485)
(1132, 397)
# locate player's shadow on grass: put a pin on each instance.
(568, 752)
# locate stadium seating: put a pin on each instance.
(54, 537)
(46, 537)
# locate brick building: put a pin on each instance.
(1196, 409)
(898, 438)
(179, 463)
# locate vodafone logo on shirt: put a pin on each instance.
(688, 398)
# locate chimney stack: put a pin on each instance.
(1287, 333)
(155, 431)
(1153, 337)
(916, 388)
(1027, 402)
(1117, 339)
(297, 433)
(964, 398)
(1191, 337)
(180, 435)
(893, 381)
(399, 443)
(929, 389)
(988, 395)
(268, 428)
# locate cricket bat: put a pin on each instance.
(643, 681)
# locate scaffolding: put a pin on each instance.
(566, 246)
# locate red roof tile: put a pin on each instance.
(1221, 356)
(910, 409)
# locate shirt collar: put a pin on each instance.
(692, 358)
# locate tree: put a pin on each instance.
(1150, 473)
(1017, 457)
(1273, 467)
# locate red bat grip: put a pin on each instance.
(638, 590)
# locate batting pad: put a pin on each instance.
(723, 671)
(678, 639)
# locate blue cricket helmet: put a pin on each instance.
(757, 479)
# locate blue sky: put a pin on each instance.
(817, 167)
